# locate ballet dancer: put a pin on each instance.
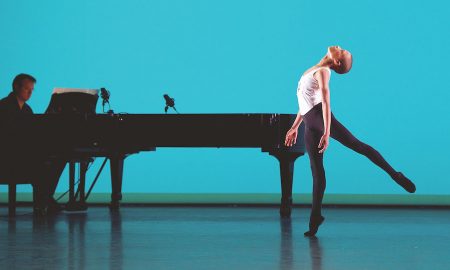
(314, 108)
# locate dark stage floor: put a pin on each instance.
(226, 238)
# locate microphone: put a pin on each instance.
(104, 94)
(170, 103)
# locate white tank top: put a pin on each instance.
(308, 92)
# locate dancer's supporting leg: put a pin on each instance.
(312, 139)
(313, 132)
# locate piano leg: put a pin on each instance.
(83, 169)
(116, 164)
(72, 200)
(73, 204)
(287, 161)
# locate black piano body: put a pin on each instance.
(116, 136)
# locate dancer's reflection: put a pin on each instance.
(315, 251)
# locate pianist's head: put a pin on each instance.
(23, 85)
(340, 60)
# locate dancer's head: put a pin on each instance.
(339, 60)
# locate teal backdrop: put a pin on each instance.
(246, 57)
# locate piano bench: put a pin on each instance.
(12, 193)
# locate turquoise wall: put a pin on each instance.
(247, 56)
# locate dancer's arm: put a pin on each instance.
(291, 135)
(323, 78)
(298, 120)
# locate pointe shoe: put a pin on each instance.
(314, 224)
(403, 181)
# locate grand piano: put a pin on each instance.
(80, 136)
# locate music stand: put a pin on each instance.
(73, 100)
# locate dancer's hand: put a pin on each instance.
(291, 137)
(324, 142)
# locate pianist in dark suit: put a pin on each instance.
(16, 161)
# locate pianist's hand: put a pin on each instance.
(291, 137)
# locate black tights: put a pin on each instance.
(313, 132)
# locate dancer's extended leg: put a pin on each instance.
(344, 136)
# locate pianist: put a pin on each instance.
(15, 161)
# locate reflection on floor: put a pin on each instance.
(226, 238)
